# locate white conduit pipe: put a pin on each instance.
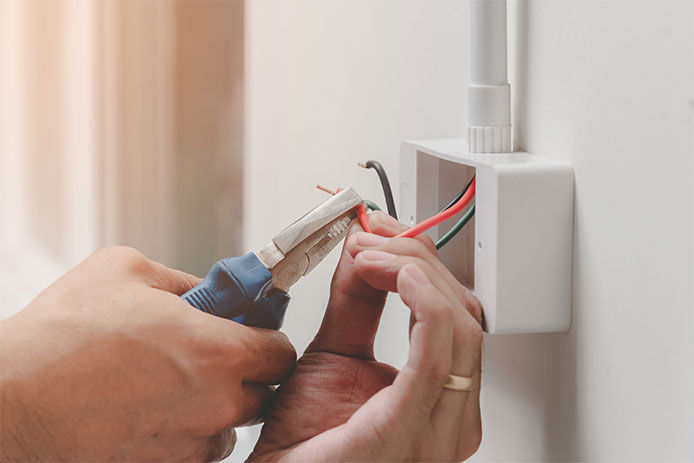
(489, 93)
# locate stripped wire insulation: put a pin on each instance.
(385, 184)
(361, 210)
(465, 198)
(457, 227)
(446, 214)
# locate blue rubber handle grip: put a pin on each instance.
(240, 289)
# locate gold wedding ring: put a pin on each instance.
(463, 383)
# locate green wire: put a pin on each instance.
(372, 205)
(457, 227)
(450, 233)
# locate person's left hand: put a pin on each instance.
(340, 404)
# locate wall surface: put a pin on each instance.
(607, 85)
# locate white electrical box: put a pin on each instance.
(516, 254)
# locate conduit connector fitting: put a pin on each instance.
(489, 116)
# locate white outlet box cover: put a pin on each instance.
(517, 253)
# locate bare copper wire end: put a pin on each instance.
(326, 189)
(361, 164)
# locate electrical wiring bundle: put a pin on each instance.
(465, 200)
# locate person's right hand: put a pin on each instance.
(109, 363)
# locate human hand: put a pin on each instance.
(109, 363)
(340, 404)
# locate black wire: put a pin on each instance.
(460, 195)
(387, 192)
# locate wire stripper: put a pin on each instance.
(253, 289)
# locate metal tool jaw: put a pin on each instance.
(300, 247)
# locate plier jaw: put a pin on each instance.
(252, 289)
(300, 247)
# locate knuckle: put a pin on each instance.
(471, 304)
(351, 244)
(289, 349)
(437, 308)
(384, 224)
(223, 349)
(117, 253)
(137, 264)
(438, 374)
(285, 351)
(123, 257)
(420, 247)
(233, 345)
(413, 247)
(429, 244)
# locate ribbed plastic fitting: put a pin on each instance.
(489, 118)
(490, 139)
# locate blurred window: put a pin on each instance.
(121, 123)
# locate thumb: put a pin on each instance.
(172, 280)
(354, 310)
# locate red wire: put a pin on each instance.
(424, 225)
(363, 218)
(361, 213)
(441, 216)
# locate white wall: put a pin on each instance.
(333, 83)
(607, 85)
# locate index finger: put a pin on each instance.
(267, 355)
(239, 352)
(354, 310)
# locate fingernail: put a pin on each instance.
(370, 239)
(416, 274)
(377, 256)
